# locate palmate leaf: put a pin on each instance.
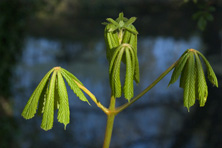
(63, 113)
(74, 86)
(31, 106)
(189, 88)
(210, 73)
(51, 94)
(202, 89)
(48, 114)
(192, 78)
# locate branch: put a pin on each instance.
(104, 109)
(121, 108)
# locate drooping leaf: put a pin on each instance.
(31, 106)
(128, 86)
(189, 88)
(71, 75)
(201, 82)
(178, 69)
(210, 73)
(133, 43)
(114, 58)
(74, 86)
(126, 37)
(42, 98)
(63, 113)
(48, 114)
(116, 83)
(56, 95)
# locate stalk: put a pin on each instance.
(110, 122)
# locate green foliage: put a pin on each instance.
(203, 15)
(63, 113)
(192, 78)
(121, 41)
(48, 112)
(31, 107)
(51, 94)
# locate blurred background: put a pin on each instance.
(36, 35)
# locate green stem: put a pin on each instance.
(110, 122)
(121, 108)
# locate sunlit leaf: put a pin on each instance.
(189, 87)
(63, 113)
(56, 95)
(178, 68)
(210, 73)
(116, 83)
(31, 106)
(74, 86)
(201, 82)
(130, 21)
(128, 86)
(71, 75)
(42, 98)
(48, 114)
(112, 21)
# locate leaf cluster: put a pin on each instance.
(50, 95)
(121, 41)
(192, 78)
(203, 15)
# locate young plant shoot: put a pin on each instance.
(121, 48)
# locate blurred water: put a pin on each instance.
(151, 121)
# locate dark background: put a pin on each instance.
(37, 35)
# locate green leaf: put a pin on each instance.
(133, 43)
(63, 113)
(128, 86)
(48, 114)
(189, 88)
(183, 76)
(114, 58)
(209, 17)
(201, 82)
(121, 18)
(178, 68)
(130, 21)
(112, 21)
(201, 23)
(56, 95)
(31, 106)
(74, 86)
(131, 30)
(71, 75)
(210, 73)
(115, 79)
(126, 37)
(197, 15)
(42, 98)
(211, 9)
